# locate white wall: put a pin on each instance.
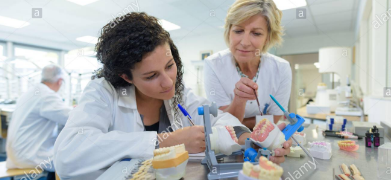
(189, 50)
(312, 43)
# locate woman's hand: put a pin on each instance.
(193, 137)
(244, 89)
(281, 152)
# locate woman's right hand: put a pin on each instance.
(193, 137)
(244, 89)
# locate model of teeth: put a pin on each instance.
(265, 170)
(170, 162)
(300, 137)
(268, 135)
(345, 169)
(354, 170)
(231, 131)
(296, 152)
(223, 140)
(348, 145)
(320, 149)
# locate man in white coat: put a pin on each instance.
(35, 122)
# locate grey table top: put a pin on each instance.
(296, 168)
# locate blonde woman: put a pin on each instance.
(235, 76)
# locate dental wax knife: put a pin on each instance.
(259, 106)
(292, 120)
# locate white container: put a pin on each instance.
(171, 173)
(317, 109)
(384, 161)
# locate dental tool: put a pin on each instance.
(259, 106)
(296, 122)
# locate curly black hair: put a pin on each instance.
(123, 43)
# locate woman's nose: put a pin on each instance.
(245, 41)
(166, 81)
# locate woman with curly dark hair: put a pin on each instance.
(130, 106)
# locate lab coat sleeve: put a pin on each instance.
(86, 145)
(53, 108)
(283, 91)
(213, 88)
(192, 102)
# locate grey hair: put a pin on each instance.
(51, 73)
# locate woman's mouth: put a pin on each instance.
(168, 90)
(243, 51)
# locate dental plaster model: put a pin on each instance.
(354, 170)
(170, 162)
(356, 173)
(343, 177)
(358, 177)
(296, 152)
(348, 145)
(144, 172)
(320, 149)
(223, 140)
(300, 137)
(265, 170)
(345, 169)
(268, 135)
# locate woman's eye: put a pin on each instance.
(257, 34)
(170, 66)
(238, 31)
(150, 77)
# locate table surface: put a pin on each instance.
(364, 158)
(296, 168)
(4, 172)
(303, 113)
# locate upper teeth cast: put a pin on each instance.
(168, 152)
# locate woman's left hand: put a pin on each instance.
(281, 152)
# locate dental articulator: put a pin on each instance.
(265, 138)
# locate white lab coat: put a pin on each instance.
(106, 127)
(34, 128)
(274, 78)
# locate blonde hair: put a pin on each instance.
(243, 10)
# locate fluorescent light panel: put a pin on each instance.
(82, 2)
(290, 4)
(88, 39)
(168, 26)
(14, 23)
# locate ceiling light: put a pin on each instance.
(291, 4)
(5, 21)
(82, 2)
(88, 39)
(168, 26)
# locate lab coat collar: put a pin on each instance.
(127, 97)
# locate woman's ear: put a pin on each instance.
(125, 77)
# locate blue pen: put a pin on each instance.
(265, 109)
(185, 113)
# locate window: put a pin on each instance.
(27, 66)
(80, 64)
(3, 82)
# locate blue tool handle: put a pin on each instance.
(278, 104)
